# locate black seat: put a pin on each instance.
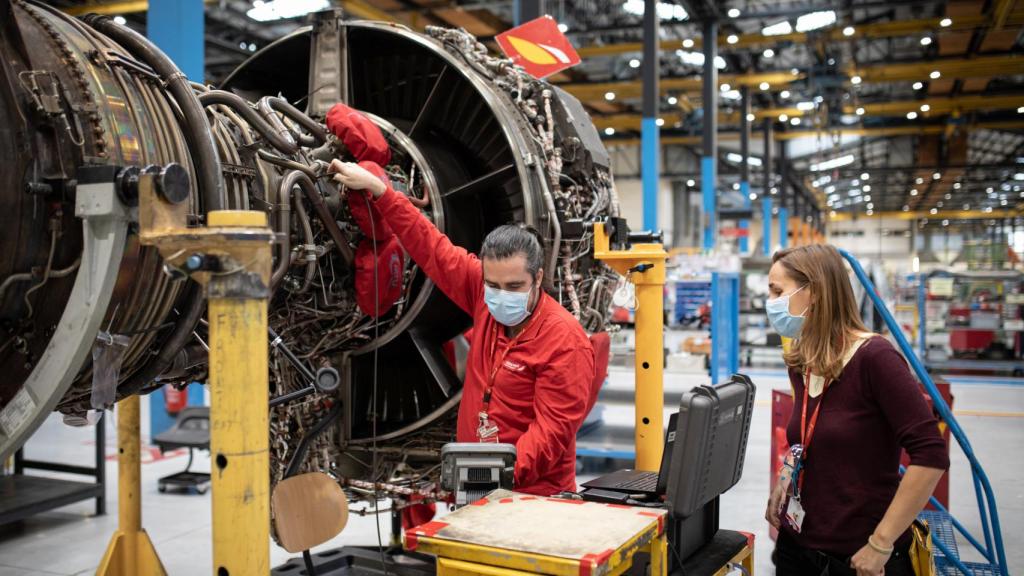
(191, 430)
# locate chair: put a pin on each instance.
(309, 509)
(191, 430)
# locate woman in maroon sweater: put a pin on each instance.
(840, 505)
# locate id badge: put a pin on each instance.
(487, 432)
(795, 514)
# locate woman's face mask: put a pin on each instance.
(508, 308)
(780, 318)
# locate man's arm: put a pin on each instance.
(560, 405)
(456, 272)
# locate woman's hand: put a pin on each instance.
(355, 177)
(775, 503)
(869, 562)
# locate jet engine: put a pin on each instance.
(88, 316)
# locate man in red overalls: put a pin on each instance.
(530, 366)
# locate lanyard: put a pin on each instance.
(807, 431)
(501, 360)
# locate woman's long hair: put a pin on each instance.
(832, 321)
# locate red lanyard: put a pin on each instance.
(499, 362)
(807, 432)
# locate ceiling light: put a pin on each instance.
(860, 111)
(939, 204)
(666, 11)
(735, 185)
(918, 85)
(794, 71)
(563, 28)
(688, 43)
(855, 182)
(751, 117)
(1020, 110)
(794, 121)
(833, 163)
(849, 31)
(783, 117)
(691, 183)
(937, 176)
(732, 39)
(784, 94)
(634, 63)
(919, 180)
(925, 107)
(609, 131)
(778, 29)
(926, 40)
(609, 96)
(913, 192)
(753, 196)
(672, 100)
(911, 115)
(726, 87)
(870, 205)
(280, 9)
(1003, 202)
(870, 212)
(768, 53)
(660, 121)
(865, 176)
(120, 20)
(734, 12)
(945, 22)
(935, 75)
(830, 189)
(866, 188)
(764, 86)
(855, 80)
(948, 196)
(956, 186)
(732, 95)
(805, 106)
(988, 209)
(945, 222)
(815, 20)
(934, 211)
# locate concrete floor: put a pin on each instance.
(72, 541)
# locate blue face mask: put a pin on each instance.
(508, 308)
(778, 315)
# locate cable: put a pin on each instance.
(373, 393)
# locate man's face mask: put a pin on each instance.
(508, 308)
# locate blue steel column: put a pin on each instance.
(766, 197)
(708, 176)
(745, 163)
(783, 185)
(649, 138)
(177, 28)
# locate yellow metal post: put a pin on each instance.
(238, 408)
(130, 552)
(644, 264)
(231, 258)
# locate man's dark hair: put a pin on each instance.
(511, 240)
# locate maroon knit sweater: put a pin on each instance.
(852, 469)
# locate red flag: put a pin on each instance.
(539, 47)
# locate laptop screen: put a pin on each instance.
(666, 455)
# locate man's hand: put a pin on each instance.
(355, 177)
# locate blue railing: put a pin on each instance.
(993, 549)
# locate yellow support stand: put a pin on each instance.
(130, 552)
(231, 258)
(644, 265)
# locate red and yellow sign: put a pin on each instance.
(539, 47)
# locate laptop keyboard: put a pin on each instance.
(646, 483)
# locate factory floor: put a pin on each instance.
(71, 540)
